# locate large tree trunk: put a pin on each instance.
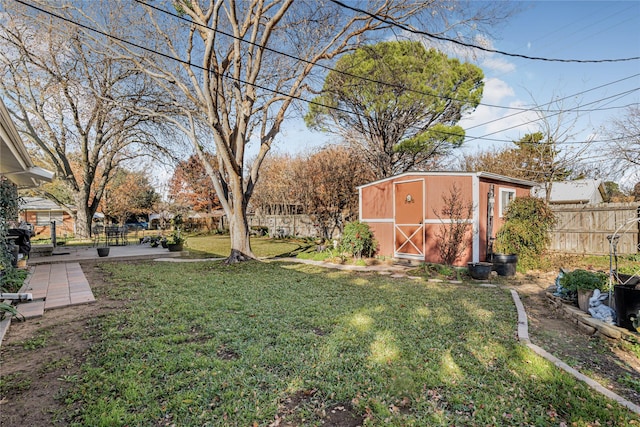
(84, 215)
(83, 224)
(240, 241)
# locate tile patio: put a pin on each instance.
(55, 286)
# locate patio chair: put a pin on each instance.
(96, 234)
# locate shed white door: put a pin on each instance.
(408, 219)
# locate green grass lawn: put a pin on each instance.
(209, 344)
(218, 246)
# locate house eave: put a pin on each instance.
(15, 162)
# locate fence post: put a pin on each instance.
(53, 233)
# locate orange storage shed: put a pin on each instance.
(405, 211)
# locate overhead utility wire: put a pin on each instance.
(555, 114)
(520, 110)
(296, 58)
(364, 78)
(562, 99)
(226, 76)
(458, 42)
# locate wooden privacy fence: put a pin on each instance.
(583, 229)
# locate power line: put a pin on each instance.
(485, 49)
(569, 109)
(68, 20)
(316, 64)
(555, 114)
(364, 78)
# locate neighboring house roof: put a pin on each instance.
(575, 192)
(39, 204)
(486, 175)
(15, 162)
(199, 215)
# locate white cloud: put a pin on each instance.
(498, 64)
(512, 124)
(499, 125)
(495, 90)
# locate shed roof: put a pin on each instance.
(486, 175)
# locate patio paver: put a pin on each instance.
(55, 286)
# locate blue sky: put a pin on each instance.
(584, 30)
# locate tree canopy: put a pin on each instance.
(397, 102)
(623, 154)
(322, 185)
(128, 194)
(229, 70)
(535, 157)
(190, 187)
(74, 104)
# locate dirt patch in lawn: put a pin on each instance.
(341, 415)
(40, 359)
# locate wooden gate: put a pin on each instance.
(408, 219)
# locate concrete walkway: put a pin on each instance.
(116, 253)
(55, 286)
(57, 280)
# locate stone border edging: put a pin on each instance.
(588, 324)
(4, 327)
(523, 335)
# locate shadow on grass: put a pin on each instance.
(194, 253)
(301, 341)
(294, 253)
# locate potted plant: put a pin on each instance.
(176, 242)
(580, 284)
(479, 270)
(524, 236)
(103, 251)
(504, 257)
(154, 241)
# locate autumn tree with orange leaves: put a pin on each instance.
(191, 189)
(128, 194)
(323, 186)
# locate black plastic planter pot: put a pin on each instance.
(174, 247)
(102, 252)
(480, 270)
(627, 300)
(504, 265)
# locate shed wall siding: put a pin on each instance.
(377, 206)
(377, 201)
(383, 232)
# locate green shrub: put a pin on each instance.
(583, 279)
(357, 239)
(9, 207)
(528, 222)
(12, 279)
